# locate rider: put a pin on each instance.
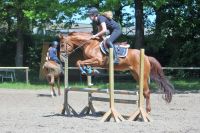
(104, 23)
(52, 52)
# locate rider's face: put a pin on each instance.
(92, 17)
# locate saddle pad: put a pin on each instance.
(121, 51)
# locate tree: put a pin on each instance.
(139, 31)
(23, 15)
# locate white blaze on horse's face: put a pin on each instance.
(69, 48)
(65, 45)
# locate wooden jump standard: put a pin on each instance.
(140, 110)
(67, 109)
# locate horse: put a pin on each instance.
(94, 57)
(52, 71)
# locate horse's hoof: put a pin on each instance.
(83, 73)
(148, 110)
(96, 71)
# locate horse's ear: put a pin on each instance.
(61, 36)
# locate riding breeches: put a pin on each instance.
(114, 35)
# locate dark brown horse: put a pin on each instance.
(94, 57)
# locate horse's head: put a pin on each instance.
(71, 41)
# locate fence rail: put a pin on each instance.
(17, 68)
(166, 68)
(181, 68)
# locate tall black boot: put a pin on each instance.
(116, 59)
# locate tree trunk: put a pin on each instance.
(118, 14)
(139, 31)
(158, 21)
(20, 41)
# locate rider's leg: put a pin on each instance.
(83, 72)
(114, 35)
(116, 59)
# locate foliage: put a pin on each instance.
(173, 39)
(176, 30)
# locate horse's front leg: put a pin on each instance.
(51, 83)
(92, 62)
(53, 93)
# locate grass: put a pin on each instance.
(186, 84)
(20, 85)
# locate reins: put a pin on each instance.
(80, 46)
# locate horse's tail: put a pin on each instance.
(158, 76)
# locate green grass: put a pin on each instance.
(187, 84)
(179, 85)
(20, 85)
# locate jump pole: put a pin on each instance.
(67, 109)
(112, 112)
(90, 107)
(140, 110)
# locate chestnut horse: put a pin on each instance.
(94, 57)
(52, 72)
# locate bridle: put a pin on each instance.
(79, 46)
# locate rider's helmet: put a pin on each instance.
(54, 43)
(93, 11)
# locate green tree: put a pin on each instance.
(22, 15)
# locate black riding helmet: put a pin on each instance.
(93, 11)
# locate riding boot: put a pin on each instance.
(83, 72)
(116, 59)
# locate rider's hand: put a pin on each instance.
(94, 36)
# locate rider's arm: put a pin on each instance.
(102, 29)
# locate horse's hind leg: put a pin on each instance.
(146, 94)
(146, 91)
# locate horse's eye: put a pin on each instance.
(62, 45)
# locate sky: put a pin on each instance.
(126, 9)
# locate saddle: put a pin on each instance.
(121, 48)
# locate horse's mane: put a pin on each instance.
(77, 37)
(79, 33)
